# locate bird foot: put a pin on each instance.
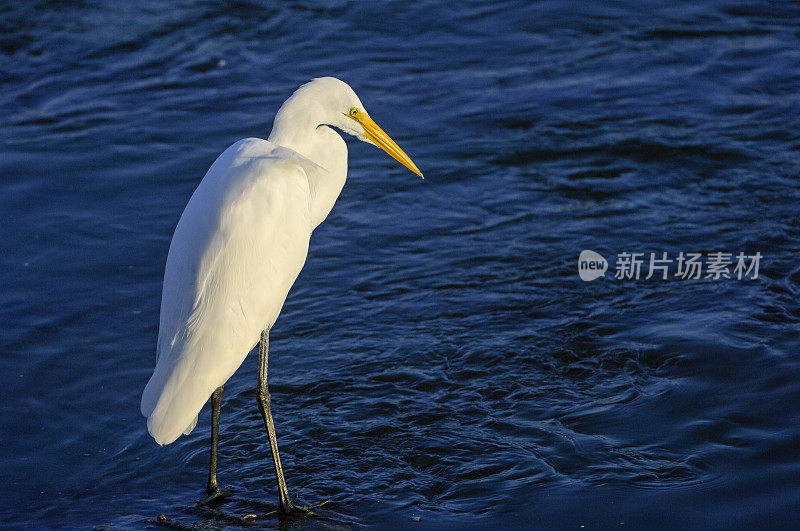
(214, 495)
(304, 510)
(292, 510)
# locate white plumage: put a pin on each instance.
(241, 242)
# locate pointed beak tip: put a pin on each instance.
(413, 168)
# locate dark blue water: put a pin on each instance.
(439, 362)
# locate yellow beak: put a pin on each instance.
(376, 135)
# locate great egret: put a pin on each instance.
(238, 248)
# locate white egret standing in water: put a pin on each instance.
(238, 248)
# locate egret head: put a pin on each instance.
(332, 102)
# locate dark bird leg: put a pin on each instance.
(212, 488)
(216, 401)
(263, 406)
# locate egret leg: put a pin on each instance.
(212, 488)
(216, 401)
(263, 406)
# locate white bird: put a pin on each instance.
(238, 248)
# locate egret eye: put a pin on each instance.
(353, 111)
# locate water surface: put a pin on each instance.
(438, 362)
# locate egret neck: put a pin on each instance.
(308, 135)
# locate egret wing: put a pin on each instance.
(238, 248)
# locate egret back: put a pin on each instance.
(238, 248)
